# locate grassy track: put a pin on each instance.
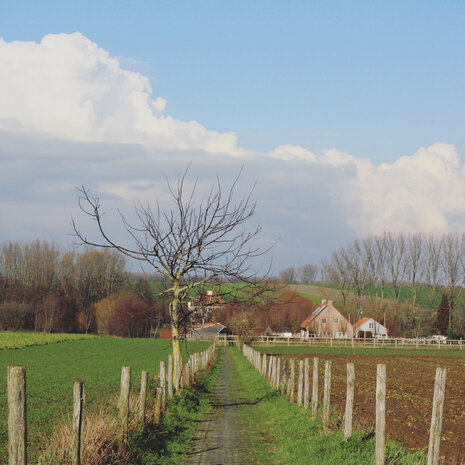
(286, 434)
(52, 369)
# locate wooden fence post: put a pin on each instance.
(284, 377)
(380, 414)
(124, 407)
(76, 446)
(327, 394)
(170, 376)
(291, 381)
(143, 396)
(157, 409)
(300, 387)
(348, 418)
(315, 388)
(306, 382)
(278, 373)
(162, 376)
(436, 417)
(17, 429)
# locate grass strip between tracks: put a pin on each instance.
(283, 433)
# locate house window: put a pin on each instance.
(336, 320)
(323, 321)
(371, 325)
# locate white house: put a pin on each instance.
(368, 327)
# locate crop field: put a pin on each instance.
(410, 383)
(18, 340)
(53, 368)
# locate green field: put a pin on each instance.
(315, 299)
(53, 368)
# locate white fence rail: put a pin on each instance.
(353, 342)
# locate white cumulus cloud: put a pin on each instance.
(68, 87)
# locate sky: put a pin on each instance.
(347, 115)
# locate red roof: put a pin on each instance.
(202, 326)
(360, 322)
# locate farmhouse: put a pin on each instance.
(326, 321)
(203, 307)
(207, 332)
(368, 327)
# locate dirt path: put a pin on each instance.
(219, 439)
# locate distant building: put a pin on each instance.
(207, 332)
(369, 327)
(204, 306)
(326, 321)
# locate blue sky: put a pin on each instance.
(376, 79)
(368, 95)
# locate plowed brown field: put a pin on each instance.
(410, 384)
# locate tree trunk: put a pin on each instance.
(175, 311)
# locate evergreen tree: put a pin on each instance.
(442, 317)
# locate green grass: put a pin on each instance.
(51, 370)
(18, 340)
(299, 349)
(286, 434)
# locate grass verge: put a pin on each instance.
(168, 443)
(283, 433)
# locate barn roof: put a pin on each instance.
(360, 322)
(313, 315)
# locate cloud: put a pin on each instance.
(70, 115)
(68, 87)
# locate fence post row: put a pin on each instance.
(17, 418)
(286, 384)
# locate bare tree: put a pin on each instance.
(396, 260)
(414, 262)
(432, 270)
(452, 252)
(336, 273)
(307, 274)
(288, 275)
(190, 244)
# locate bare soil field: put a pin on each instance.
(410, 383)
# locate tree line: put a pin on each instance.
(434, 264)
(43, 288)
